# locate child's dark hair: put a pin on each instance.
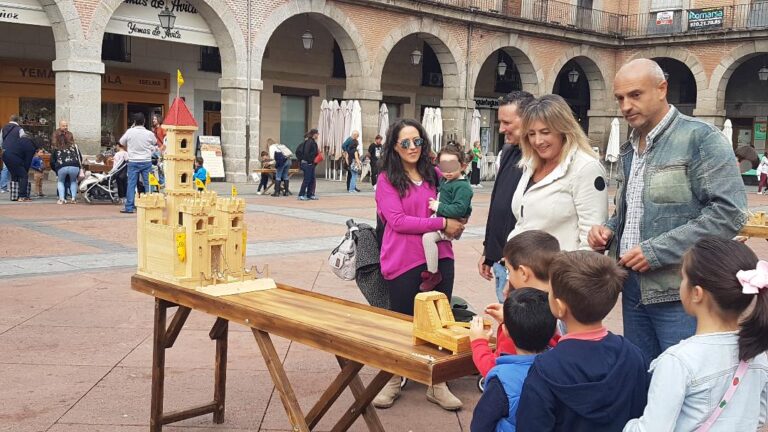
(264, 153)
(199, 160)
(712, 264)
(588, 282)
(528, 319)
(452, 149)
(534, 249)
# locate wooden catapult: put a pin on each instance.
(433, 322)
(189, 238)
(756, 226)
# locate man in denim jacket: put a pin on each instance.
(677, 182)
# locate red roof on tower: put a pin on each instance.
(179, 115)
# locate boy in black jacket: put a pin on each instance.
(592, 380)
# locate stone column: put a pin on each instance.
(78, 100)
(600, 128)
(457, 118)
(710, 115)
(233, 126)
(370, 101)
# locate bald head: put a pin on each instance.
(355, 134)
(641, 91)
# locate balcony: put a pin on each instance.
(658, 23)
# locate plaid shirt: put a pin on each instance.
(635, 185)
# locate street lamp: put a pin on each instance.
(501, 68)
(307, 40)
(415, 57)
(573, 76)
(666, 76)
(763, 73)
(167, 19)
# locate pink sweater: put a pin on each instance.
(406, 220)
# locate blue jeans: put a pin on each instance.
(654, 327)
(308, 184)
(64, 173)
(353, 180)
(5, 178)
(281, 173)
(134, 170)
(500, 276)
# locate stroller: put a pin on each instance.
(101, 187)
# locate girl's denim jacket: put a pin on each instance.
(690, 379)
(692, 188)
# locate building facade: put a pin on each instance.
(259, 69)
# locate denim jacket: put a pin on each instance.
(690, 379)
(692, 188)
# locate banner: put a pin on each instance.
(705, 19)
(140, 18)
(213, 160)
(665, 18)
(23, 12)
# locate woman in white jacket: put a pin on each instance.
(562, 190)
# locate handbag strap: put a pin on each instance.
(740, 371)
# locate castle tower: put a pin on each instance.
(179, 159)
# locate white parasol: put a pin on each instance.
(383, 121)
(612, 151)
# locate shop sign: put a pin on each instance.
(485, 102)
(704, 19)
(139, 18)
(760, 134)
(210, 150)
(23, 12)
(665, 18)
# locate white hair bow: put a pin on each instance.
(752, 281)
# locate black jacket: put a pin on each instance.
(18, 153)
(69, 156)
(308, 152)
(501, 221)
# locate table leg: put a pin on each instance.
(357, 388)
(348, 373)
(280, 379)
(158, 366)
(219, 333)
(362, 402)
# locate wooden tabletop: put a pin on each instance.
(371, 336)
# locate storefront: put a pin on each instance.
(27, 87)
(490, 138)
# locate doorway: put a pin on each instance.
(216, 260)
(293, 120)
(147, 109)
(212, 118)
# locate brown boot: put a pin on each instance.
(441, 395)
(388, 394)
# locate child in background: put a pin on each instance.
(37, 171)
(723, 369)
(592, 380)
(454, 201)
(201, 174)
(527, 321)
(264, 181)
(527, 257)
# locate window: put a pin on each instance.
(199, 225)
(211, 220)
(183, 178)
(236, 223)
(339, 68)
(431, 73)
(660, 5)
(293, 120)
(210, 59)
(115, 47)
(184, 143)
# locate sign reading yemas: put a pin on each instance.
(172, 5)
(139, 18)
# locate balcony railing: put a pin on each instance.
(566, 15)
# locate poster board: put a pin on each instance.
(213, 160)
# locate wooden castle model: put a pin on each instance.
(433, 322)
(185, 237)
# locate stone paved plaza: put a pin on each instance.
(75, 341)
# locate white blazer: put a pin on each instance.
(565, 203)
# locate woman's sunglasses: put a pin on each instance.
(417, 142)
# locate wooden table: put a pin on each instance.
(291, 171)
(356, 334)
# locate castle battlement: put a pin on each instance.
(231, 205)
(150, 201)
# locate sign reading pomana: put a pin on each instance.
(705, 19)
(139, 18)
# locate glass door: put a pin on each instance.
(293, 120)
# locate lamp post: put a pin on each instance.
(416, 57)
(501, 68)
(167, 19)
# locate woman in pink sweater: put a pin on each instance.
(406, 183)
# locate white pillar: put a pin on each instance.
(233, 126)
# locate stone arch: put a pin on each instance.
(216, 13)
(728, 64)
(598, 87)
(682, 55)
(531, 73)
(441, 42)
(67, 32)
(333, 19)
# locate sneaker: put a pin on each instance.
(357, 190)
(374, 188)
(314, 198)
(303, 198)
(127, 211)
(479, 186)
(441, 395)
(72, 201)
(388, 394)
(259, 193)
(3, 190)
(430, 280)
(60, 202)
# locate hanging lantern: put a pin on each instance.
(573, 76)
(167, 19)
(307, 40)
(415, 57)
(501, 68)
(666, 76)
(762, 74)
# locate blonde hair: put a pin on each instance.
(553, 111)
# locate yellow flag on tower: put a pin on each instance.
(234, 191)
(179, 78)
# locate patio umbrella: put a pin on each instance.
(728, 131)
(383, 121)
(428, 122)
(437, 130)
(474, 130)
(337, 125)
(357, 121)
(612, 151)
(323, 126)
(346, 107)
